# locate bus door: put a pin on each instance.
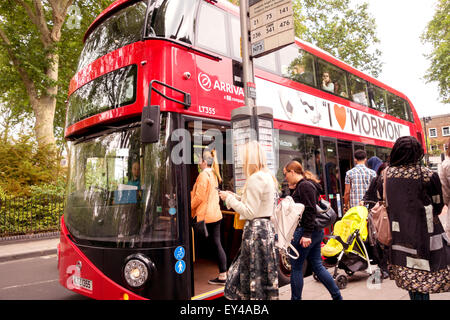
(206, 134)
(331, 172)
(345, 149)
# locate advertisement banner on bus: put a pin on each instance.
(303, 108)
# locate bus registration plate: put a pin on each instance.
(82, 283)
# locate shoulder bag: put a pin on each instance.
(325, 214)
(380, 218)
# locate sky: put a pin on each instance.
(400, 23)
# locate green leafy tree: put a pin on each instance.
(347, 32)
(437, 33)
(23, 166)
(39, 56)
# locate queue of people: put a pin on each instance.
(418, 258)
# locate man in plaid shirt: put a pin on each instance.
(357, 181)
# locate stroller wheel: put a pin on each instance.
(341, 281)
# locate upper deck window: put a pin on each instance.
(378, 98)
(409, 112)
(396, 106)
(332, 79)
(119, 30)
(358, 90)
(297, 64)
(172, 19)
(235, 25)
(211, 31)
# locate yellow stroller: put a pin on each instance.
(347, 244)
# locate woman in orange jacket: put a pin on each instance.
(205, 206)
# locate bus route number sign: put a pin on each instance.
(271, 25)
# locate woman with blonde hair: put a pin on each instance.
(307, 237)
(253, 275)
(205, 205)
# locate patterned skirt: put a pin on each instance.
(420, 281)
(253, 274)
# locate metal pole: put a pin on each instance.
(247, 64)
(426, 139)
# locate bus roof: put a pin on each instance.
(228, 6)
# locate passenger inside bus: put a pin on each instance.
(135, 175)
(327, 84)
(205, 207)
(339, 91)
(299, 74)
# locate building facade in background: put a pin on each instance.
(437, 133)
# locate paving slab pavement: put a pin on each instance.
(28, 249)
(359, 286)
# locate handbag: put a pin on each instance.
(380, 218)
(285, 219)
(325, 214)
(200, 227)
(238, 224)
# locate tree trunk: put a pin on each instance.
(44, 112)
(45, 106)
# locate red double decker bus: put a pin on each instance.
(126, 230)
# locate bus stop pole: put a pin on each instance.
(247, 63)
(247, 68)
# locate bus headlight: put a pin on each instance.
(137, 270)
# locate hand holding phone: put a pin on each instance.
(223, 194)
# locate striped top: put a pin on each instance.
(359, 178)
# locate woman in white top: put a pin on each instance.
(253, 274)
(327, 84)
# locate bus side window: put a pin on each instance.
(396, 106)
(211, 30)
(336, 77)
(409, 112)
(358, 90)
(235, 38)
(378, 98)
(297, 65)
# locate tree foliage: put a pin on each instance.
(437, 33)
(39, 56)
(348, 33)
(345, 31)
(27, 170)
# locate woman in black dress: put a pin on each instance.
(420, 249)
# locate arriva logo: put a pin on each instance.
(204, 81)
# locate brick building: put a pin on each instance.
(437, 131)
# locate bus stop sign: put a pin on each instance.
(271, 25)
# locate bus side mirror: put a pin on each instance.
(150, 124)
